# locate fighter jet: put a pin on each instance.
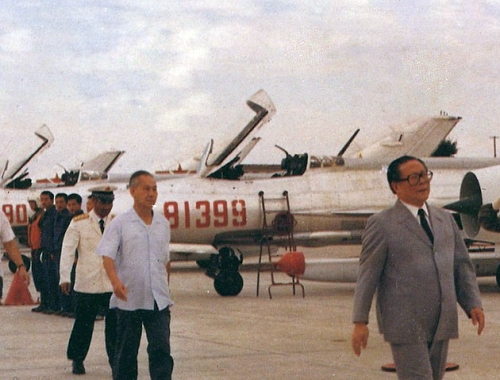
(419, 137)
(219, 216)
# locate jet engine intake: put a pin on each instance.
(469, 204)
(476, 189)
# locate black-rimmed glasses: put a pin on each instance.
(414, 179)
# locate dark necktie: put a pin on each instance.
(101, 225)
(425, 224)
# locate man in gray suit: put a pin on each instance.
(419, 266)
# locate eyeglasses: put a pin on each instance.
(414, 179)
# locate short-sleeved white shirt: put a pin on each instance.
(140, 253)
(6, 233)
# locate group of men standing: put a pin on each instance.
(413, 259)
(45, 236)
(119, 265)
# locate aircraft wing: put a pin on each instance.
(252, 238)
(219, 164)
(185, 252)
(365, 213)
(12, 172)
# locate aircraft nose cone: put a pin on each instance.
(292, 263)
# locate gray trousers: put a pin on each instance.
(422, 361)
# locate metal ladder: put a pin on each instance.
(282, 225)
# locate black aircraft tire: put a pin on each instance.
(26, 262)
(228, 283)
(203, 264)
(497, 275)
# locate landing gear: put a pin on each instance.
(497, 275)
(228, 283)
(26, 262)
(223, 269)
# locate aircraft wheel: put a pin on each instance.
(203, 264)
(26, 262)
(228, 283)
(497, 275)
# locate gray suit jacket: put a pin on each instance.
(418, 284)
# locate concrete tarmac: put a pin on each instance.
(243, 337)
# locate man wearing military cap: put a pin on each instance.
(92, 286)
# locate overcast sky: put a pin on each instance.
(160, 78)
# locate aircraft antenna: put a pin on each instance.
(348, 143)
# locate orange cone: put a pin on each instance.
(19, 293)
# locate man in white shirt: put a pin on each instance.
(92, 287)
(9, 243)
(136, 255)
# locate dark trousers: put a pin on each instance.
(50, 269)
(40, 277)
(36, 269)
(87, 308)
(157, 325)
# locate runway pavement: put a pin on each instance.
(243, 337)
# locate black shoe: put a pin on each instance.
(78, 367)
(49, 311)
(38, 309)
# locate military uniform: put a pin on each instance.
(92, 286)
(84, 234)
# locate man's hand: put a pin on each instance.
(65, 288)
(24, 275)
(15, 255)
(477, 316)
(359, 338)
(120, 290)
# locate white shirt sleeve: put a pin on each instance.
(6, 233)
(69, 246)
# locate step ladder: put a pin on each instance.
(282, 225)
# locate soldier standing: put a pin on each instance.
(92, 286)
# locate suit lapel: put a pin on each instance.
(437, 223)
(410, 222)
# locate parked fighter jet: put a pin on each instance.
(419, 138)
(96, 169)
(215, 214)
(476, 187)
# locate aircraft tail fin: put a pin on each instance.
(419, 138)
(95, 169)
(103, 162)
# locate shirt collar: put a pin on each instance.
(414, 209)
(94, 216)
